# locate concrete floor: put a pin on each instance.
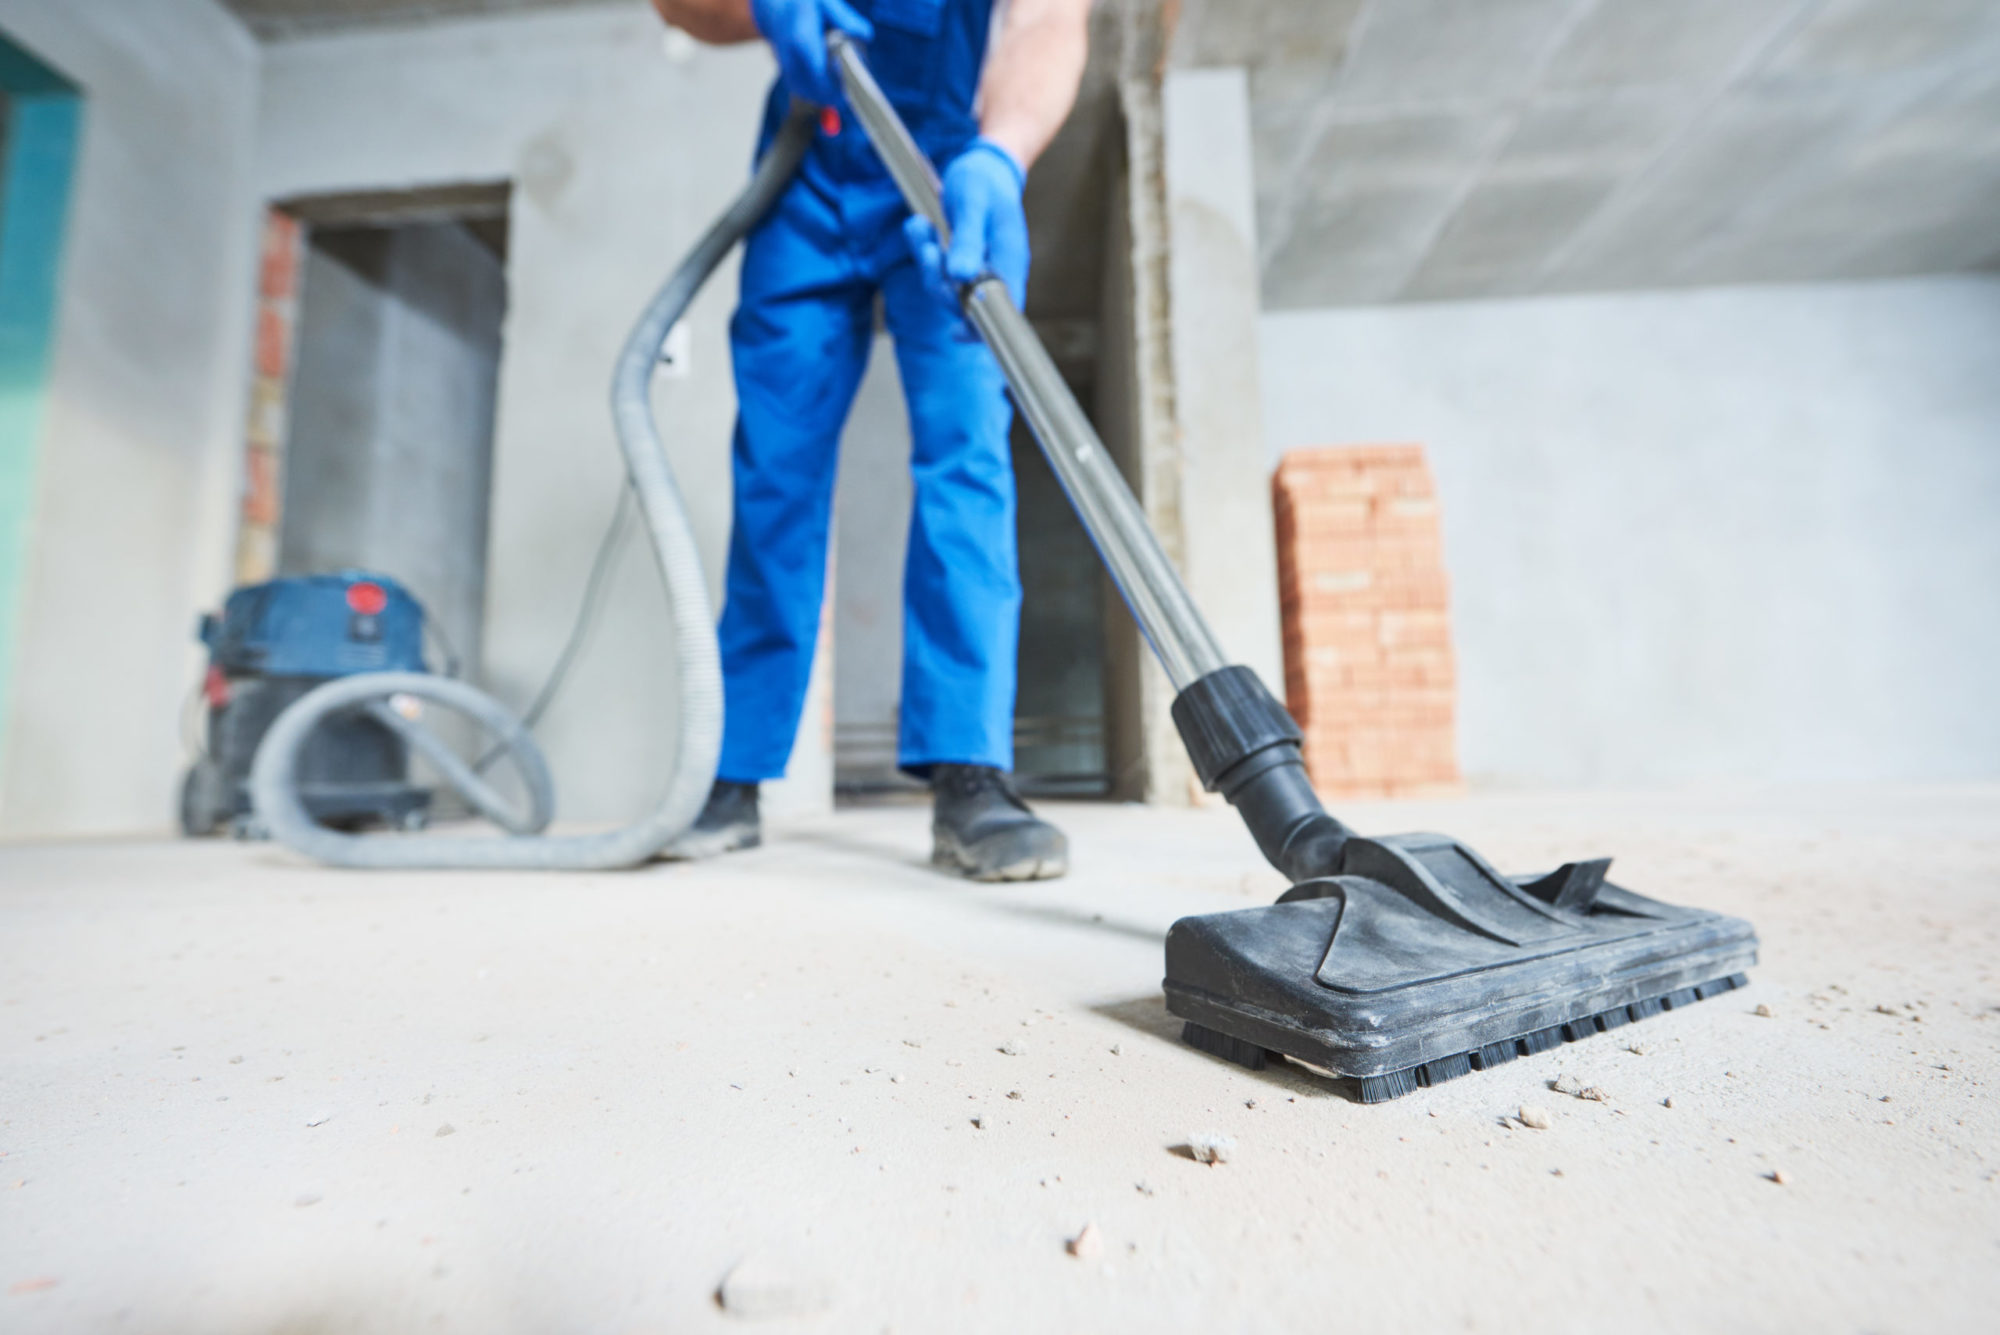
(238, 1094)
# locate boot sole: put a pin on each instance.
(1030, 858)
(700, 846)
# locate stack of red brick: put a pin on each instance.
(264, 445)
(1368, 662)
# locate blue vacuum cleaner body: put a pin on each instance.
(272, 643)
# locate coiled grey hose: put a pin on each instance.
(273, 776)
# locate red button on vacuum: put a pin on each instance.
(829, 121)
(367, 599)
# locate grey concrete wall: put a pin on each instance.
(1177, 395)
(622, 147)
(1134, 414)
(388, 458)
(1230, 560)
(140, 457)
(1740, 534)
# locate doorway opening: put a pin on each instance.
(389, 405)
(1059, 711)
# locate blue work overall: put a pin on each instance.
(800, 340)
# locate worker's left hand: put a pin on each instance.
(989, 231)
(796, 30)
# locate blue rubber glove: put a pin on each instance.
(796, 30)
(989, 231)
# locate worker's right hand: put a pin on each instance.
(796, 30)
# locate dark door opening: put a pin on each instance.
(1059, 732)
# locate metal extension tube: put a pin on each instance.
(1152, 588)
(1242, 741)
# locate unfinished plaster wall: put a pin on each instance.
(1740, 534)
(137, 466)
(622, 146)
(1177, 396)
(1230, 561)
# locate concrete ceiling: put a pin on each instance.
(293, 18)
(1443, 149)
(1437, 149)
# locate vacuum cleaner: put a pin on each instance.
(1398, 961)
(272, 644)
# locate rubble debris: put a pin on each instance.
(1567, 1084)
(1011, 1048)
(1087, 1245)
(1118, 1049)
(446, 1130)
(1778, 1176)
(1594, 1094)
(1535, 1119)
(979, 1121)
(1764, 1010)
(1013, 1093)
(319, 1119)
(1211, 1147)
(759, 1288)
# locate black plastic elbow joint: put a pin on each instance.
(1246, 747)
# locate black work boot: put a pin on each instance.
(981, 828)
(728, 822)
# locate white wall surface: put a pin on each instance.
(139, 461)
(1744, 534)
(621, 150)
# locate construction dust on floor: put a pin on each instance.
(820, 1085)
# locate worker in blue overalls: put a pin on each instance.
(983, 85)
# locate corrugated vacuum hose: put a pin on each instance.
(698, 741)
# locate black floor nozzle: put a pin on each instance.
(1408, 960)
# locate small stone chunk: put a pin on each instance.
(1535, 1119)
(1765, 1010)
(1594, 1094)
(1778, 1176)
(1567, 1084)
(447, 1130)
(1087, 1245)
(1211, 1147)
(1011, 1048)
